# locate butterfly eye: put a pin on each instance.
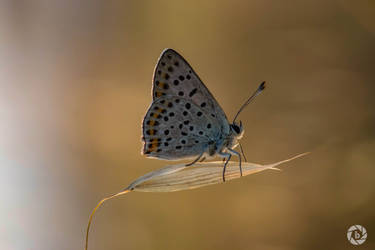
(236, 128)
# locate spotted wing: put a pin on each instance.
(173, 76)
(175, 128)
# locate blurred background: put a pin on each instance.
(75, 82)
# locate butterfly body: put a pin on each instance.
(184, 119)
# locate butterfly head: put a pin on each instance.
(237, 129)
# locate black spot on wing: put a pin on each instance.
(193, 92)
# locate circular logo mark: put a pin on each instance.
(357, 234)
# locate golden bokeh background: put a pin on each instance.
(75, 82)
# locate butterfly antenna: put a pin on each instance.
(261, 87)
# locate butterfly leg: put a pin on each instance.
(197, 159)
(243, 154)
(228, 156)
(239, 157)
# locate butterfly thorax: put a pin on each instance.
(228, 141)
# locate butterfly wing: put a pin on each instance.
(176, 128)
(173, 76)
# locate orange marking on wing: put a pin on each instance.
(151, 132)
(153, 145)
(158, 94)
(158, 111)
(161, 84)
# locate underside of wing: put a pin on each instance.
(175, 128)
(173, 76)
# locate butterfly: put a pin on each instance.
(184, 119)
